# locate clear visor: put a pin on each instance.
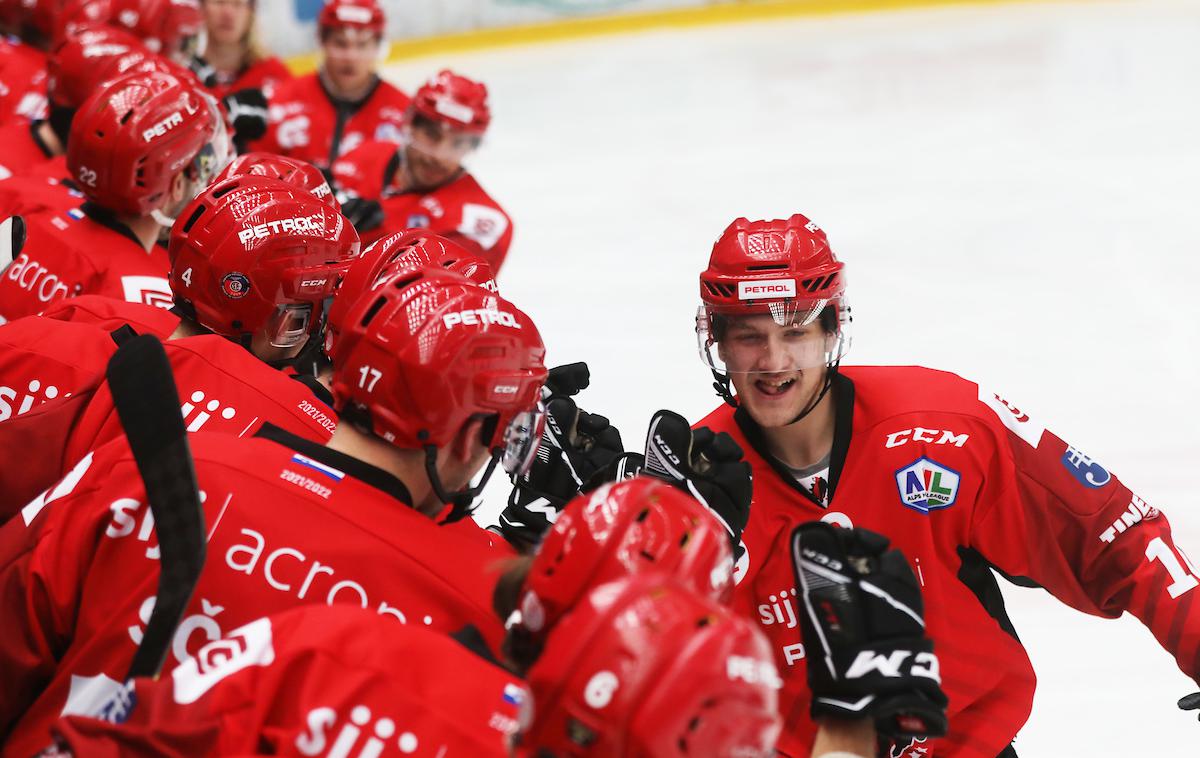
(439, 141)
(778, 337)
(520, 440)
(288, 326)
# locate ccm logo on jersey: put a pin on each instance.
(931, 436)
(314, 223)
(480, 316)
(162, 127)
(766, 288)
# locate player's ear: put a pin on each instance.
(178, 186)
(466, 445)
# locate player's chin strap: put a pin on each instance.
(722, 386)
(460, 501)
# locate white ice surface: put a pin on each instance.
(1013, 187)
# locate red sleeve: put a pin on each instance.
(1053, 514)
(45, 553)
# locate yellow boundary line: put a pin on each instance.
(623, 23)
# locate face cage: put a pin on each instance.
(783, 313)
(519, 441)
(289, 325)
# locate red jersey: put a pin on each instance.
(109, 313)
(42, 188)
(459, 209)
(289, 523)
(82, 251)
(265, 74)
(22, 81)
(308, 123)
(223, 387)
(315, 673)
(22, 148)
(962, 481)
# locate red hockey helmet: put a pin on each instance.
(426, 350)
(624, 528)
(130, 139)
(413, 248)
(454, 100)
(294, 171)
(364, 15)
(643, 667)
(254, 254)
(43, 17)
(784, 270)
(173, 28)
(87, 60)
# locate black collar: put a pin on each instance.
(320, 391)
(364, 472)
(472, 639)
(106, 218)
(843, 419)
(351, 106)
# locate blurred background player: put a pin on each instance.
(233, 52)
(173, 29)
(958, 478)
(322, 115)
(348, 522)
(139, 149)
(423, 183)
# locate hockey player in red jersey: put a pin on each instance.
(325, 681)
(959, 478)
(233, 51)
(140, 149)
(320, 116)
(434, 377)
(423, 182)
(33, 154)
(172, 28)
(254, 260)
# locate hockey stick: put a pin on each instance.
(143, 391)
(12, 239)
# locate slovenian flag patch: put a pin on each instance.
(328, 471)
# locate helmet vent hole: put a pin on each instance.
(687, 536)
(187, 225)
(222, 191)
(767, 267)
(719, 290)
(703, 621)
(402, 283)
(645, 513)
(480, 353)
(127, 116)
(373, 310)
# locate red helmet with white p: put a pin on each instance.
(256, 255)
(413, 248)
(784, 271)
(425, 351)
(624, 528)
(84, 61)
(173, 28)
(644, 668)
(294, 171)
(362, 15)
(130, 139)
(454, 100)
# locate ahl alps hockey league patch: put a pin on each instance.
(926, 485)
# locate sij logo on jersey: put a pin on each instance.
(927, 485)
(1085, 470)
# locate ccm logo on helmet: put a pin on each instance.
(162, 127)
(766, 288)
(314, 223)
(480, 316)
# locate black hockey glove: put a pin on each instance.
(363, 214)
(707, 466)
(247, 114)
(12, 240)
(575, 445)
(1190, 702)
(863, 627)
